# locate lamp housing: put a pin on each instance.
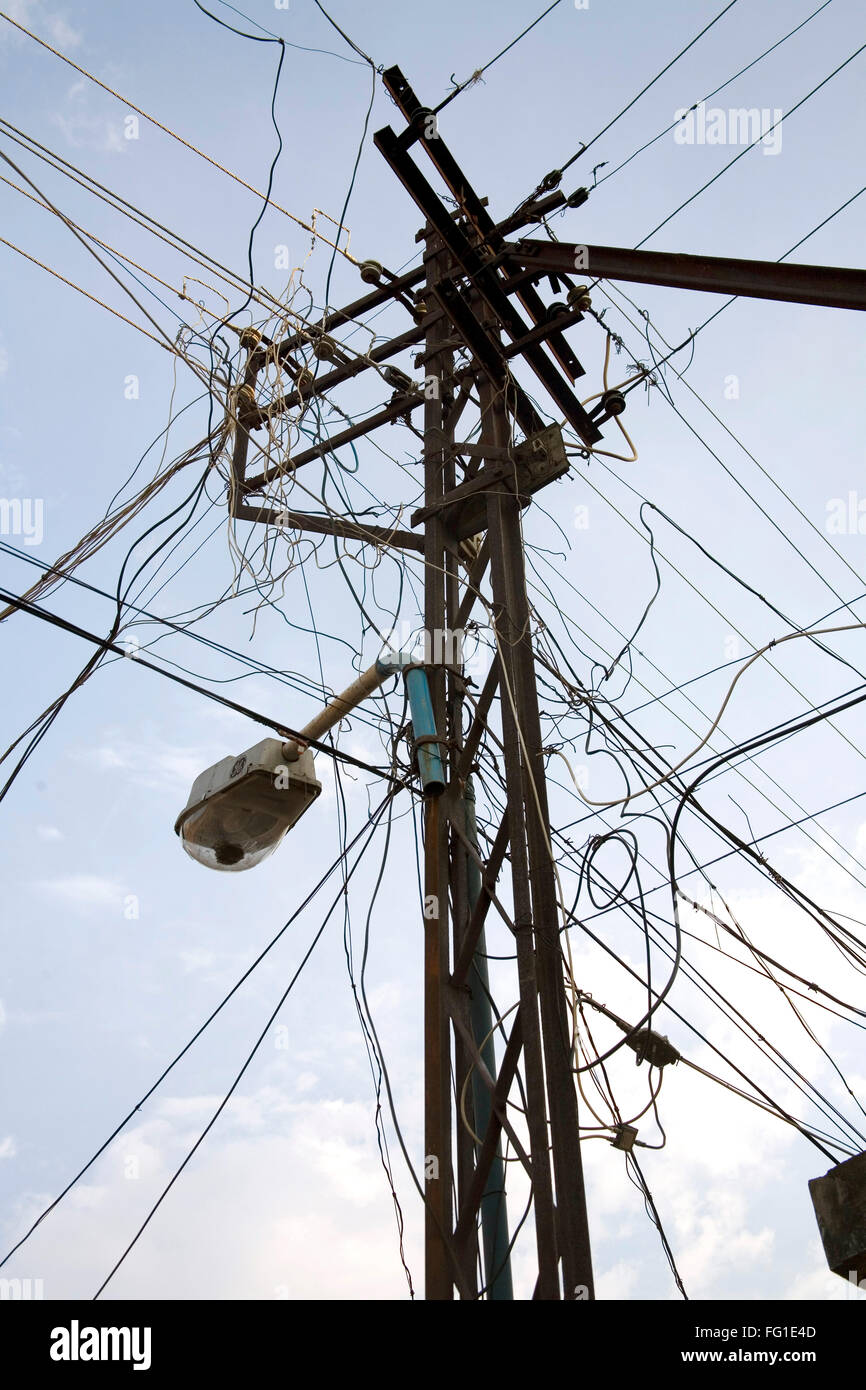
(240, 809)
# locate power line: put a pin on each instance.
(553, 179)
(199, 1031)
(234, 1085)
(125, 100)
(713, 93)
(733, 161)
(35, 611)
(479, 72)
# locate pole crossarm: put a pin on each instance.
(323, 384)
(475, 926)
(330, 526)
(467, 1219)
(403, 406)
(834, 287)
(458, 1007)
(473, 248)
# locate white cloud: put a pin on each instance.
(83, 891)
(304, 1208)
(47, 23)
(196, 959)
(152, 764)
(8, 1148)
(49, 833)
(85, 132)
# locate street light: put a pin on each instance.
(241, 809)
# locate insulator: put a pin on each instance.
(419, 311)
(556, 310)
(250, 338)
(613, 403)
(245, 400)
(371, 272)
(426, 118)
(551, 180)
(304, 380)
(577, 198)
(394, 377)
(325, 348)
(578, 298)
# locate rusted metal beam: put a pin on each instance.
(328, 446)
(458, 1007)
(360, 306)
(344, 372)
(330, 526)
(468, 1217)
(835, 287)
(472, 206)
(479, 722)
(473, 262)
(489, 875)
(437, 1033)
(473, 581)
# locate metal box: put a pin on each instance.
(839, 1199)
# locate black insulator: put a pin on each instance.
(578, 198)
(394, 377)
(613, 403)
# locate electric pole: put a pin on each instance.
(469, 535)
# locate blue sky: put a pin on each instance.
(116, 946)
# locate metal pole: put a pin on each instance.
(437, 1031)
(572, 1227)
(494, 1209)
(498, 501)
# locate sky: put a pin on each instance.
(116, 946)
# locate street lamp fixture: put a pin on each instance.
(241, 809)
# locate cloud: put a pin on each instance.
(84, 891)
(153, 765)
(82, 131)
(49, 833)
(8, 1148)
(38, 17)
(192, 960)
(285, 1200)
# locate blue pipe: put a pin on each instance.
(423, 724)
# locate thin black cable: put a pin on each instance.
(652, 1209)
(235, 987)
(279, 728)
(732, 162)
(460, 87)
(343, 35)
(224, 1102)
(714, 93)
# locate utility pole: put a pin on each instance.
(437, 1042)
(477, 293)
